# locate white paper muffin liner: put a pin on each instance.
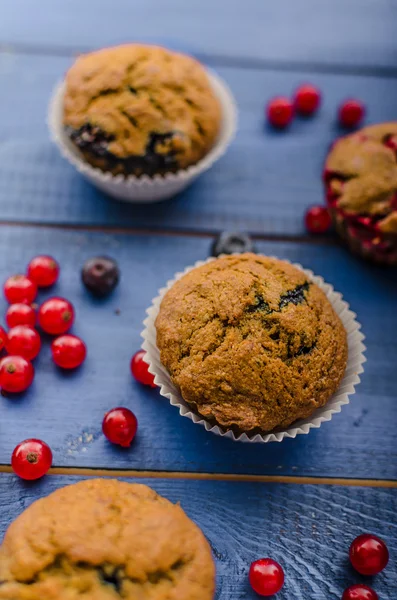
(145, 189)
(346, 388)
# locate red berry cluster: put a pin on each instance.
(368, 555)
(306, 101)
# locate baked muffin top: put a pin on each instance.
(251, 343)
(141, 101)
(102, 540)
(361, 172)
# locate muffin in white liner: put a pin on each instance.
(145, 189)
(346, 388)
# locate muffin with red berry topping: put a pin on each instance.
(105, 539)
(361, 187)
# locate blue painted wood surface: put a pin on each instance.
(308, 529)
(344, 32)
(67, 410)
(264, 184)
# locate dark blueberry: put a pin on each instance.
(232, 243)
(100, 275)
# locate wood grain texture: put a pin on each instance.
(264, 184)
(307, 529)
(345, 32)
(67, 410)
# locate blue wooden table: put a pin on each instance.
(301, 501)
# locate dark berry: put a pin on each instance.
(56, 316)
(139, 369)
(68, 351)
(120, 426)
(266, 577)
(16, 374)
(368, 554)
(43, 270)
(280, 112)
(19, 288)
(100, 275)
(23, 341)
(317, 219)
(31, 459)
(232, 243)
(351, 113)
(20, 314)
(307, 99)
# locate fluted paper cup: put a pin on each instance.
(334, 405)
(145, 189)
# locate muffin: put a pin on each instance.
(251, 343)
(361, 186)
(137, 109)
(101, 540)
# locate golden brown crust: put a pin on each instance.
(251, 343)
(103, 540)
(130, 93)
(368, 168)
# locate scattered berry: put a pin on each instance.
(317, 219)
(307, 99)
(368, 554)
(16, 374)
(3, 338)
(43, 270)
(120, 426)
(231, 243)
(68, 351)
(20, 314)
(23, 341)
(139, 369)
(100, 275)
(351, 113)
(31, 459)
(19, 288)
(56, 316)
(266, 577)
(359, 592)
(280, 112)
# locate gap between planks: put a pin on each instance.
(220, 60)
(288, 479)
(113, 229)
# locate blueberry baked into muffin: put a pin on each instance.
(361, 185)
(137, 109)
(103, 540)
(251, 343)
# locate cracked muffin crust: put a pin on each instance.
(251, 343)
(105, 540)
(361, 185)
(137, 109)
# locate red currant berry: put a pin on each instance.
(56, 316)
(20, 314)
(19, 288)
(307, 99)
(68, 351)
(351, 113)
(139, 369)
(23, 341)
(120, 426)
(266, 577)
(43, 270)
(280, 112)
(368, 554)
(317, 219)
(359, 592)
(16, 374)
(3, 338)
(31, 459)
